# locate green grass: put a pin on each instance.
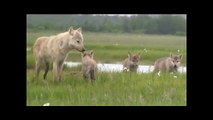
(119, 38)
(110, 89)
(113, 54)
(117, 89)
(106, 50)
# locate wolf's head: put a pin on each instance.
(76, 39)
(175, 60)
(134, 58)
(87, 54)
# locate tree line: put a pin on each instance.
(148, 24)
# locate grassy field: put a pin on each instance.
(114, 89)
(113, 48)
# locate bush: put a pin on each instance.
(178, 33)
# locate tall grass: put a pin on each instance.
(113, 89)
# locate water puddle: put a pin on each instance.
(106, 67)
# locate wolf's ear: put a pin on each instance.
(180, 56)
(71, 31)
(129, 54)
(79, 30)
(92, 53)
(171, 55)
(139, 54)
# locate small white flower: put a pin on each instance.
(126, 69)
(178, 50)
(175, 76)
(159, 73)
(116, 44)
(46, 104)
(28, 49)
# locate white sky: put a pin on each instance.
(129, 15)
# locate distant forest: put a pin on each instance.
(148, 24)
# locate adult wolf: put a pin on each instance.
(54, 49)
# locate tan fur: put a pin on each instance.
(169, 64)
(54, 49)
(132, 62)
(89, 65)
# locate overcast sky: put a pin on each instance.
(129, 15)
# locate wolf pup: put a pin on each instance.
(54, 49)
(169, 64)
(131, 63)
(89, 65)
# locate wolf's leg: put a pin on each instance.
(60, 68)
(55, 72)
(46, 69)
(155, 70)
(86, 74)
(92, 75)
(37, 68)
